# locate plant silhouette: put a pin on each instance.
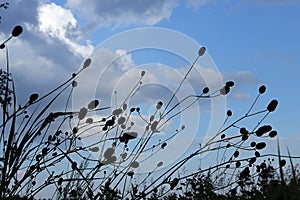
(41, 149)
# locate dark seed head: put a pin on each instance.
(245, 137)
(82, 113)
(261, 145)
(163, 145)
(17, 31)
(159, 105)
(225, 90)
(257, 154)
(60, 180)
(229, 113)
(229, 83)
(272, 134)
(238, 164)
(205, 90)
(75, 130)
(243, 131)
(33, 97)
(282, 163)
(272, 105)
(262, 89)
(130, 173)
(252, 160)
(263, 129)
(93, 104)
(236, 154)
(87, 63)
(201, 51)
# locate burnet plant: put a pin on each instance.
(41, 149)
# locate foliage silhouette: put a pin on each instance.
(42, 148)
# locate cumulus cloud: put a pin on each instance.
(58, 22)
(117, 13)
(49, 49)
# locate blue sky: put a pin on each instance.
(253, 42)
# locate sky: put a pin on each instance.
(252, 42)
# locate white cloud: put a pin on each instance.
(195, 4)
(243, 77)
(48, 51)
(57, 22)
(126, 12)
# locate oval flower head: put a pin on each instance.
(87, 63)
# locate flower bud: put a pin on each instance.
(262, 89)
(17, 31)
(272, 105)
(201, 51)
